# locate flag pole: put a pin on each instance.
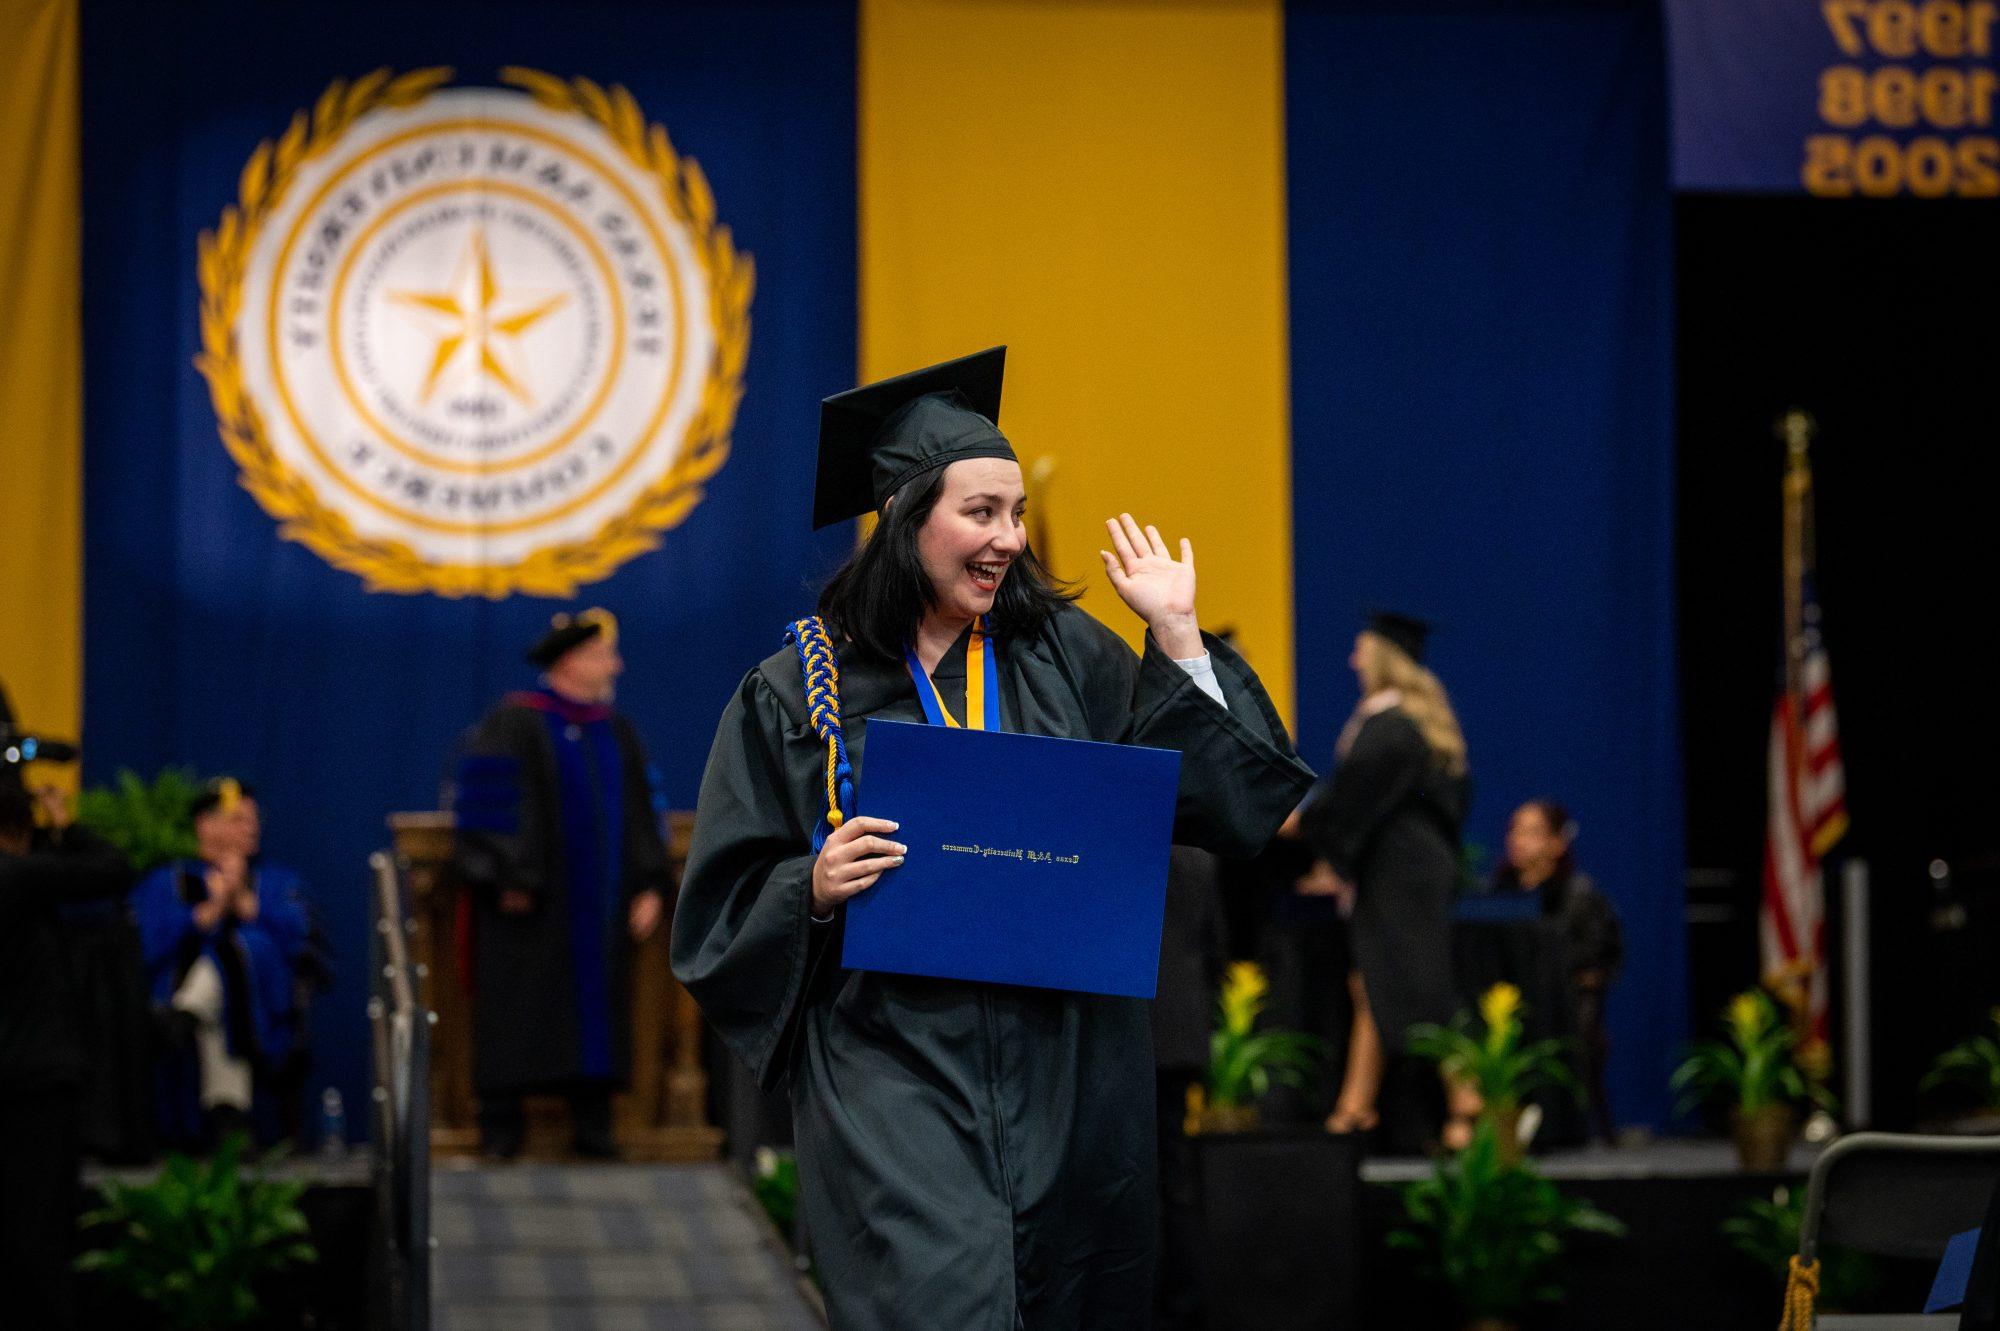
(1796, 429)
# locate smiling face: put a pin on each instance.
(973, 535)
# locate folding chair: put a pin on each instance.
(1894, 1196)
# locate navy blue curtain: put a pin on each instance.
(210, 640)
(1482, 423)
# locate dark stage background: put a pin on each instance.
(1877, 317)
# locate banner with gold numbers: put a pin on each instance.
(1836, 98)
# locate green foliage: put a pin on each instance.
(1754, 1067)
(1767, 1232)
(1973, 1065)
(1472, 857)
(776, 1188)
(198, 1242)
(1241, 1059)
(152, 823)
(1493, 1058)
(1495, 1233)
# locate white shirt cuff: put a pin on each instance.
(1202, 670)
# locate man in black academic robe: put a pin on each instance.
(563, 869)
(41, 1048)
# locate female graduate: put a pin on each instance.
(1386, 824)
(971, 1155)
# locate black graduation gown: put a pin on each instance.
(971, 1156)
(535, 1024)
(1193, 952)
(1388, 821)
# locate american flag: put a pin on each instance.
(1807, 795)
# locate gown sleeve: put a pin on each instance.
(1372, 781)
(271, 946)
(278, 934)
(1594, 931)
(165, 921)
(743, 939)
(1240, 777)
(497, 846)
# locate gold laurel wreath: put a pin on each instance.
(393, 566)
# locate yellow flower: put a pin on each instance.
(1243, 990)
(1748, 1015)
(1499, 1004)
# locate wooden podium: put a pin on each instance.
(665, 1114)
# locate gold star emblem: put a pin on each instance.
(473, 315)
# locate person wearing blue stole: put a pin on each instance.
(562, 868)
(226, 937)
(970, 1155)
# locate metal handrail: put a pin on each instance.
(401, 1105)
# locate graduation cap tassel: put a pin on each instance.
(822, 679)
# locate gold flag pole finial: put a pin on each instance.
(1797, 428)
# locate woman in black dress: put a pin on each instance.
(1386, 825)
(1541, 859)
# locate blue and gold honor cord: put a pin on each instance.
(982, 685)
(821, 669)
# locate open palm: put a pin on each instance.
(1146, 577)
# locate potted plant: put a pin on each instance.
(1767, 1232)
(1242, 1060)
(200, 1242)
(1493, 1232)
(152, 822)
(1755, 1073)
(1492, 1065)
(1973, 1068)
(776, 1188)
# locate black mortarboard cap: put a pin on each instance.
(876, 438)
(1406, 632)
(570, 631)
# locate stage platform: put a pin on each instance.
(1670, 1158)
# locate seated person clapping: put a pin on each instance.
(224, 934)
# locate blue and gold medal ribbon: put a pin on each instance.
(982, 685)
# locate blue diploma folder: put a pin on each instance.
(1031, 860)
(1954, 1273)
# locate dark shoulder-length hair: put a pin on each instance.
(1557, 820)
(880, 595)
